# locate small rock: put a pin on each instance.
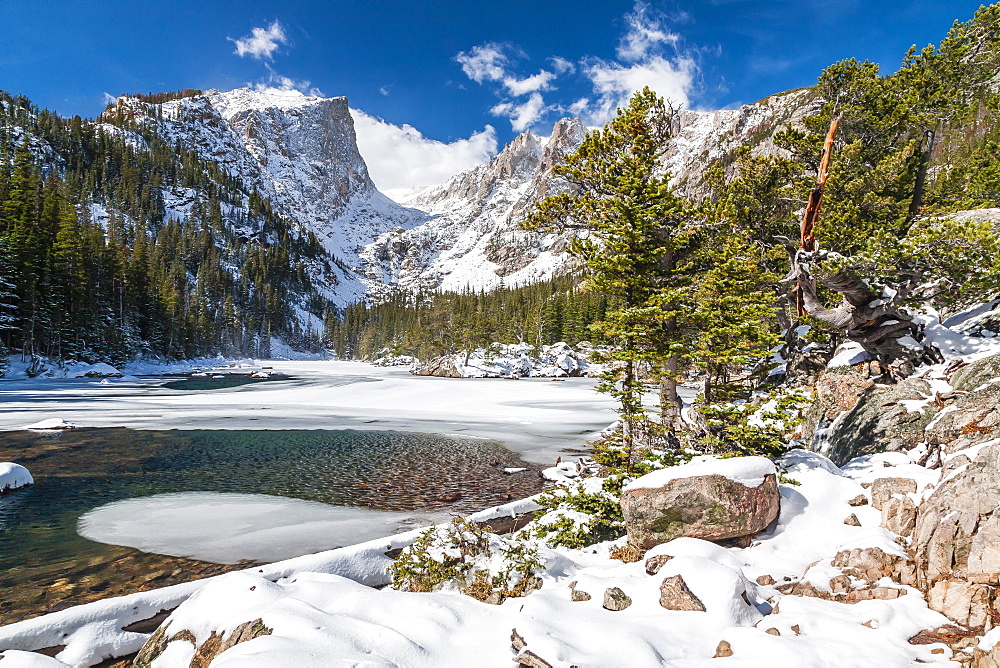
(852, 520)
(840, 584)
(765, 580)
(528, 658)
(773, 631)
(796, 630)
(899, 515)
(615, 599)
(859, 500)
(675, 595)
(654, 564)
(576, 594)
(724, 649)
(884, 488)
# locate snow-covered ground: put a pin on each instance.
(535, 417)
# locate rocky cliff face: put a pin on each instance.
(471, 236)
(706, 137)
(297, 150)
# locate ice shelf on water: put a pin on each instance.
(534, 417)
(227, 528)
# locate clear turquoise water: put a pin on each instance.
(78, 470)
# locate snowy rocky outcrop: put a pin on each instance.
(706, 137)
(471, 238)
(520, 360)
(13, 476)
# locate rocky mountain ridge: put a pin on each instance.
(301, 152)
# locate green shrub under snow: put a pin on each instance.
(580, 514)
(463, 556)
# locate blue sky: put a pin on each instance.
(459, 78)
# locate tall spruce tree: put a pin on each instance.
(635, 236)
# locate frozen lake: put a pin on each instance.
(537, 418)
(259, 471)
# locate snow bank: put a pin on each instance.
(748, 471)
(13, 476)
(318, 606)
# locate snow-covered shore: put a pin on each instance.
(321, 606)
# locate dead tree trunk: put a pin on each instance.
(878, 322)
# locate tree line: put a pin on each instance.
(93, 267)
(427, 324)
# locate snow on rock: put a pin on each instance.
(51, 423)
(324, 605)
(848, 354)
(520, 360)
(13, 476)
(748, 471)
(470, 237)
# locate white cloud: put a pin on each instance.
(109, 98)
(278, 81)
(522, 116)
(493, 63)
(485, 62)
(535, 82)
(645, 63)
(401, 157)
(561, 65)
(383, 90)
(644, 37)
(615, 83)
(261, 42)
(648, 54)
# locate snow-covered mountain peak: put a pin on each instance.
(233, 102)
(472, 237)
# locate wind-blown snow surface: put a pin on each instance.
(318, 606)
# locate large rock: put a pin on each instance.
(204, 652)
(853, 416)
(973, 418)
(957, 527)
(961, 601)
(709, 498)
(445, 366)
(884, 489)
